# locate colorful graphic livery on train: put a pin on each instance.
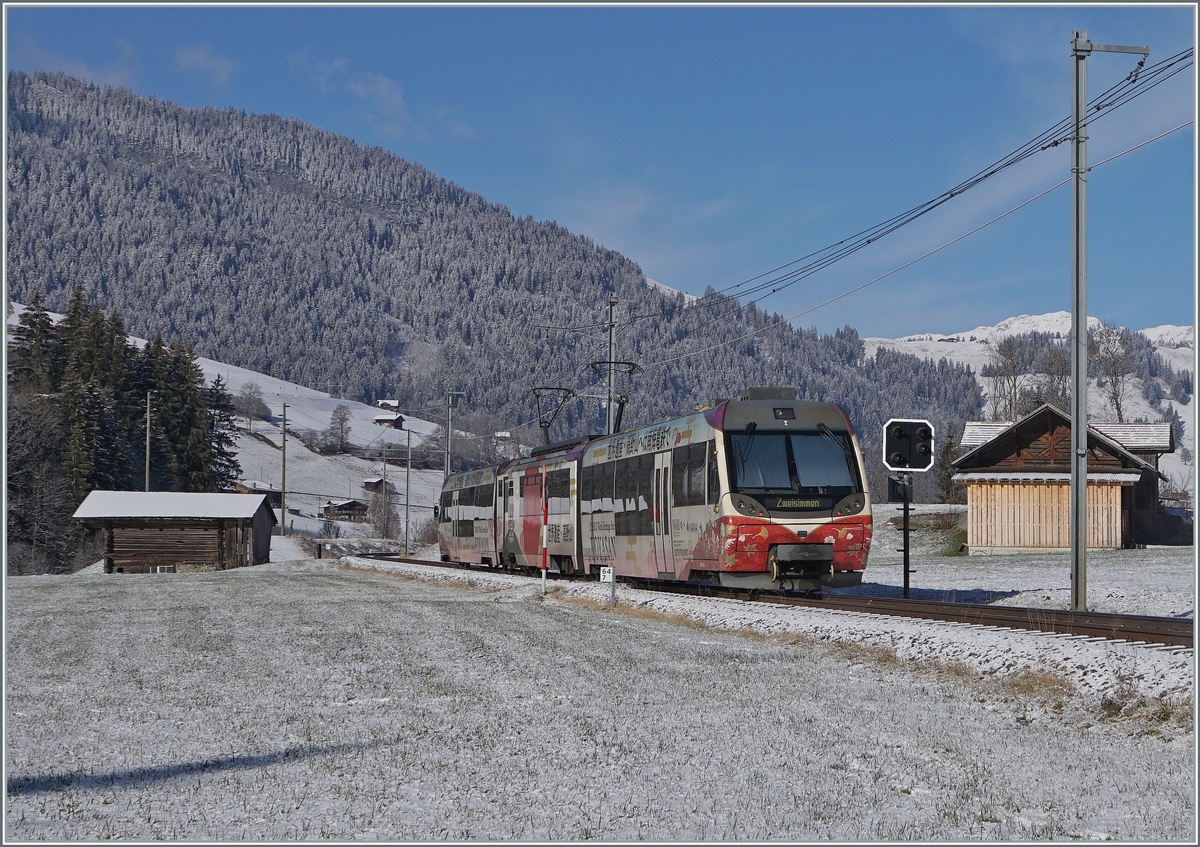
(764, 492)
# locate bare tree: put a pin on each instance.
(382, 515)
(1009, 360)
(249, 402)
(1054, 382)
(1110, 349)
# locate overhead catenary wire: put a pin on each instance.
(1133, 86)
(1136, 84)
(910, 263)
(895, 270)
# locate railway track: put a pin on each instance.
(1175, 632)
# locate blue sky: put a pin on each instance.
(713, 144)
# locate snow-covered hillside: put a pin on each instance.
(971, 347)
(313, 479)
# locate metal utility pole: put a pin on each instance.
(407, 488)
(387, 499)
(283, 481)
(148, 393)
(610, 421)
(1080, 49)
(450, 395)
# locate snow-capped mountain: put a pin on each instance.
(972, 347)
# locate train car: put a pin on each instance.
(538, 511)
(763, 492)
(467, 517)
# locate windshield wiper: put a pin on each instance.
(828, 433)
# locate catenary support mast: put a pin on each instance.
(1080, 49)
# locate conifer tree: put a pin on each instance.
(223, 466)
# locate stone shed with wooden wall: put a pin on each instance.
(159, 531)
(1018, 481)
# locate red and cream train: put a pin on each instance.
(764, 492)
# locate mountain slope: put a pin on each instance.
(297, 253)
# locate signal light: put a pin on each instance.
(908, 445)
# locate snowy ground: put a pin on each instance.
(358, 700)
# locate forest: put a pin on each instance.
(269, 244)
(77, 418)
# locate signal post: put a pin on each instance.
(907, 448)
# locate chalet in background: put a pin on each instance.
(344, 510)
(166, 531)
(1018, 481)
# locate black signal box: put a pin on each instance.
(908, 445)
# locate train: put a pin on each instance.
(765, 492)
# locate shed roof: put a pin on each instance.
(1007, 434)
(1126, 478)
(101, 505)
(1134, 437)
(1140, 437)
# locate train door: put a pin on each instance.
(664, 554)
(531, 519)
(508, 545)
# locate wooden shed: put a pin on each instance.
(1018, 481)
(164, 531)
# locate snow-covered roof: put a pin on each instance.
(1139, 437)
(1129, 477)
(1134, 437)
(167, 504)
(258, 485)
(981, 432)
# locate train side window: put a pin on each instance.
(625, 495)
(606, 485)
(645, 495)
(447, 502)
(558, 491)
(696, 473)
(679, 477)
(666, 486)
(714, 479)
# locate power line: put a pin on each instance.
(1135, 85)
(910, 263)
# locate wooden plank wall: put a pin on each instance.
(1026, 514)
(190, 549)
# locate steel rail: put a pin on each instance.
(1109, 626)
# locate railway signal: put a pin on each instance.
(907, 448)
(908, 445)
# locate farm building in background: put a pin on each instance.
(254, 486)
(1018, 481)
(344, 510)
(165, 531)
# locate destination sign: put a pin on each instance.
(794, 503)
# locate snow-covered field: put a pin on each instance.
(359, 700)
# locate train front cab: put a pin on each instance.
(794, 510)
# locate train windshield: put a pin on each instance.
(817, 463)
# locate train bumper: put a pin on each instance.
(799, 561)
